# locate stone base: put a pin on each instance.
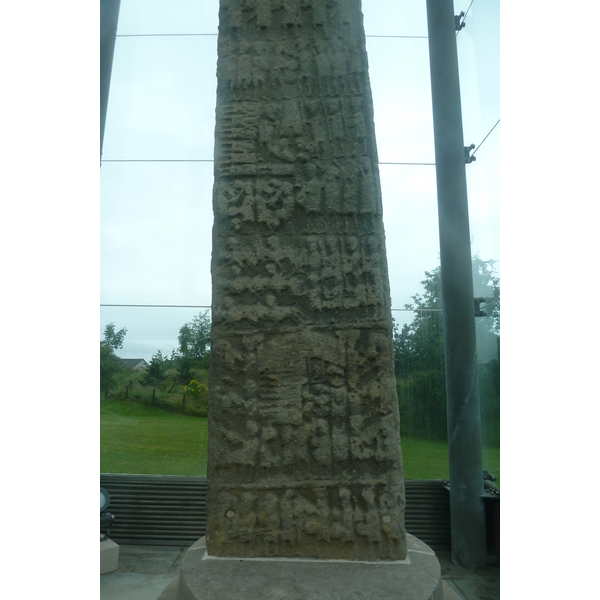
(109, 556)
(207, 578)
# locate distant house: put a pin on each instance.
(137, 364)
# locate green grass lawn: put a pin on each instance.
(425, 459)
(145, 440)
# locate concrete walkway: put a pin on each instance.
(145, 571)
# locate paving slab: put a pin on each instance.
(482, 584)
(143, 572)
(133, 586)
(449, 592)
(150, 559)
(478, 589)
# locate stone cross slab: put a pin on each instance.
(304, 454)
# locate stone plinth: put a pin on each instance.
(109, 556)
(304, 454)
(416, 578)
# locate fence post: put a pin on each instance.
(153, 395)
(106, 390)
(184, 403)
(130, 384)
(126, 391)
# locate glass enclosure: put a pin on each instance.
(156, 224)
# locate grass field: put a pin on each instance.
(425, 459)
(145, 440)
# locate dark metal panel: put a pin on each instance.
(156, 509)
(427, 515)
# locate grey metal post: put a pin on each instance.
(467, 516)
(109, 17)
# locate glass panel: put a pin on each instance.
(419, 354)
(399, 74)
(478, 45)
(156, 233)
(168, 16)
(162, 99)
(411, 227)
(156, 218)
(395, 17)
(412, 241)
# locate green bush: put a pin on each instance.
(168, 392)
(198, 393)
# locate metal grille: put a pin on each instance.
(492, 523)
(161, 510)
(427, 515)
(169, 510)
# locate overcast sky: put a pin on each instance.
(156, 217)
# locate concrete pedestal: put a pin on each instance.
(109, 556)
(208, 578)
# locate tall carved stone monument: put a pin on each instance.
(304, 446)
(305, 485)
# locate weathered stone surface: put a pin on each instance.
(304, 446)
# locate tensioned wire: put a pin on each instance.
(210, 308)
(123, 35)
(208, 160)
(191, 160)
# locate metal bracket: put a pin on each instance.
(487, 476)
(468, 157)
(478, 311)
(458, 25)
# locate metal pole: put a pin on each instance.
(467, 516)
(109, 17)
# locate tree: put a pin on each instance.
(156, 370)
(110, 364)
(194, 337)
(113, 338)
(402, 350)
(183, 365)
